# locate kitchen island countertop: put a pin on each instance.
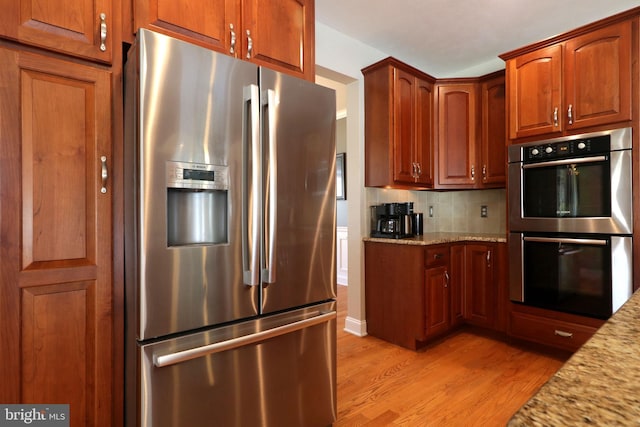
(599, 384)
(443, 237)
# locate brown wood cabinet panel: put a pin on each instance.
(404, 114)
(394, 293)
(437, 300)
(481, 306)
(56, 229)
(457, 133)
(598, 77)
(580, 81)
(68, 26)
(535, 92)
(279, 34)
(398, 126)
(558, 333)
(209, 22)
(282, 34)
(493, 149)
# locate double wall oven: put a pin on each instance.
(571, 223)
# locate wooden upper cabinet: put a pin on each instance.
(398, 126)
(535, 92)
(457, 134)
(279, 34)
(82, 28)
(56, 288)
(207, 22)
(413, 101)
(598, 77)
(493, 147)
(580, 82)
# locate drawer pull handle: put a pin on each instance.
(438, 256)
(563, 334)
(103, 32)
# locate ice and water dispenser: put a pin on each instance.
(197, 199)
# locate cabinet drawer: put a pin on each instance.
(552, 332)
(436, 255)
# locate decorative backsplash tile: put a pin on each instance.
(453, 211)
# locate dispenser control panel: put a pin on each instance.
(197, 176)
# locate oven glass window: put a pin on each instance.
(573, 278)
(567, 191)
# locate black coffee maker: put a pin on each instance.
(392, 220)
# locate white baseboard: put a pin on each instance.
(355, 326)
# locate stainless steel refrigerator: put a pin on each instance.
(229, 241)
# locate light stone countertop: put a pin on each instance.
(599, 385)
(436, 238)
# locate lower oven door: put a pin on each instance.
(585, 275)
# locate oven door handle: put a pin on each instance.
(594, 242)
(565, 162)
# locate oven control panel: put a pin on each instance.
(565, 149)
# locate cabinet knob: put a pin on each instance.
(103, 32)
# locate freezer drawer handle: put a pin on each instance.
(193, 353)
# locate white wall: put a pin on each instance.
(347, 56)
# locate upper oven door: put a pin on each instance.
(582, 194)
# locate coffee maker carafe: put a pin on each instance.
(392, 220)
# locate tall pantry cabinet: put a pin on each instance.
(57, 296)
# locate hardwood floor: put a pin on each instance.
(466, 379)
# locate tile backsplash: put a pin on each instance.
(457, 211)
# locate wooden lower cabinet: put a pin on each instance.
(559, 330)
(480, 289)
(414, 293)
(394, 293)
(56, 287)
(437, 291)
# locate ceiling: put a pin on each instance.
(446, 38)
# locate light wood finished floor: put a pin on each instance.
(467, 379)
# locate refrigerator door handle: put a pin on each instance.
(251, 187)
(271, 193)
(161, 361)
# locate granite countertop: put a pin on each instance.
(599, 385)
(435, 238)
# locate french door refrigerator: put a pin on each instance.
(229, 241)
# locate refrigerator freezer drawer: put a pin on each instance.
(275, 371)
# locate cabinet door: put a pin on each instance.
(212, 23)
(494, 138)
(598, 77)
(437, 300)
(480, 293)
(457, 122)
(68, 26)
(56, 233)
(424, 133)
(535, 97)
(281, 35)
(404, 113)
